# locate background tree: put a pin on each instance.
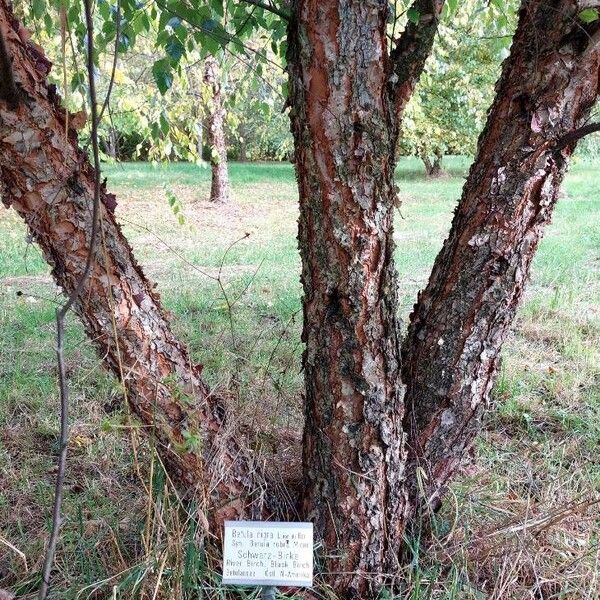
(448, 108)
(215, 130)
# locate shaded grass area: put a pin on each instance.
(519, 522)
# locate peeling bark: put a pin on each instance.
(215, 133)
(347, 99)
(450, 356)
(48, 180)
(353, 458)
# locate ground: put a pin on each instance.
(519, 521)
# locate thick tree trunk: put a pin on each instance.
(450, 356)
(215, 133)
(345, 111)
(353, 458)
(47, 179)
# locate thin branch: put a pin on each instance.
(576, 135)
(272, 9)
(411, 51)
(114, 64)
(224, 39)
(61, 314)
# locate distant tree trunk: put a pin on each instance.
(110, 143)
(48, 180)
(241, 131)
(433, 168)
(345, 128)
(199, 128)
(215, 131)
(451, 352)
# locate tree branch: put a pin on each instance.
(62, 312)
(272, 9)
(115, 59)
(576, 134)
(411, 51)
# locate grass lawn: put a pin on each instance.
(520, 521)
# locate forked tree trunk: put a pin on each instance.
(346, 102)
(450, 356)
(433, 168)
(215, 133)
(48, 180)
(347, 98)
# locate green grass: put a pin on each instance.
(537, 454)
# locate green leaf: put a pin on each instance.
(589, 15)
(164, 123)
(210, 42)
(413, 15)
(38, 7)
(78, 82)
(175, 49)
(217, 6)
(48, 24)
(163, 76)
(124, 42)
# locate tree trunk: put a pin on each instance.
(345, 128)
(48, 180)
(436, 167)
(451, 352)
(433, 168)
(424, 156)
(219, 189)
(112, 144)
(241, 131)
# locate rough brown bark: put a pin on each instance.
(450, 355)
(346, 100)
(353, 459)
(215, 133)
(48, 180)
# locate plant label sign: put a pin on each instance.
(268, 553)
